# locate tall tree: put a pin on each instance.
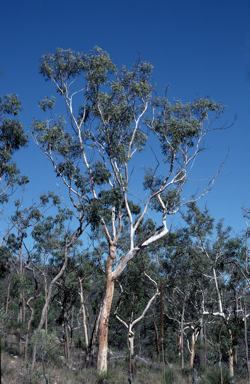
(111, 114)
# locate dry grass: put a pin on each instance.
(14, 371)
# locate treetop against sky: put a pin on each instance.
(199, 49)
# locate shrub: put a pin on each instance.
(214, 377)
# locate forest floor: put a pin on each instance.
(15, 371)
(56, 371)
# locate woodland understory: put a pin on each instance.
(95, 282)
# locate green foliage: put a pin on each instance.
(12, 138)
(5, 256)
(214, 377)
(178, 125)
(107, 127)
(47, 103)
(10, 105)
(67, 64)
(200, 224)
(169, 376)
(102, 376)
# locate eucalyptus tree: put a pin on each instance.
(221, 299)
(21, 222)
(52, 243)
(185, 267)
(70, 287)
(137, 292)
(12, 138)
(224, 300)
(111, 114)
(129, 324)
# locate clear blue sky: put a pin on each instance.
(198, 47)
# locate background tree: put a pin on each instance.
(12, 138)
(221, 297)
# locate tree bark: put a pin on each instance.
(28, 328)
(195, 333)
(182, 333)
(205, 346)
(162, 334)
(94, 337)
(230, 353)
(46, 312)
(202, 336)
(20, 300)
(131, 338)
(179, 343)
(157, 340)
(8, 296)
(192, 349)
(195, 366)
(67, 350)
(104, 318)
(84, 322)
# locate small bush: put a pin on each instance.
(214, 377)
(169, 375)
(102, 376)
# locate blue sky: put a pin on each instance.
(200, 48)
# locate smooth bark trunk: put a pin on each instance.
(67, 350)
(179, 343)
(230, 353)
(192, 350)
(182, 333)
(195, 334)
(104, 317)
(202, 339)
(84, 322)
(131, 338)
